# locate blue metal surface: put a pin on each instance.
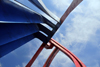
(6, 48)
(13, 35)
(20, 25)
(42, 7)
(13, 31)
(11, 12)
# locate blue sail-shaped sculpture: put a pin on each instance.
(17, 25)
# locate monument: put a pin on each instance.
(20, 24)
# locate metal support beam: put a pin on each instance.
(36, 55)
(41, 6)
(51, 57)
(58, 47)
(73, 5)
(76, 60)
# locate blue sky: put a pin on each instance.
(79, 33)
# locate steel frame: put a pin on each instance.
(52, 42)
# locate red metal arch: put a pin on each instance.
(58, 47)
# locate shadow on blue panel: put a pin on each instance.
(13, 35)
(21, 24)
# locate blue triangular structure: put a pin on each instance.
(19, 24)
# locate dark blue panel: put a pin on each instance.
(6, 48)
(12, 31)
(14, 13)
(41, 36)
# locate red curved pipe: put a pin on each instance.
(51, 57)
(36, 55)
(77, 62)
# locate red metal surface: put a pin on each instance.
(36, 55)
(51, 57)
(70, 8)
(77, 62)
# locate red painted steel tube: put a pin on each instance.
(77, 62)
(70, 8)
(51, 57)
(36, 55)
(68, 54)
(67, 50)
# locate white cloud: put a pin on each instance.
(61, 60)
(18, 66)
(85, 22)
(61, 5)
(83, 26)
(36, 64)
(23, 64)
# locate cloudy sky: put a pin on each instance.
(79, 33)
